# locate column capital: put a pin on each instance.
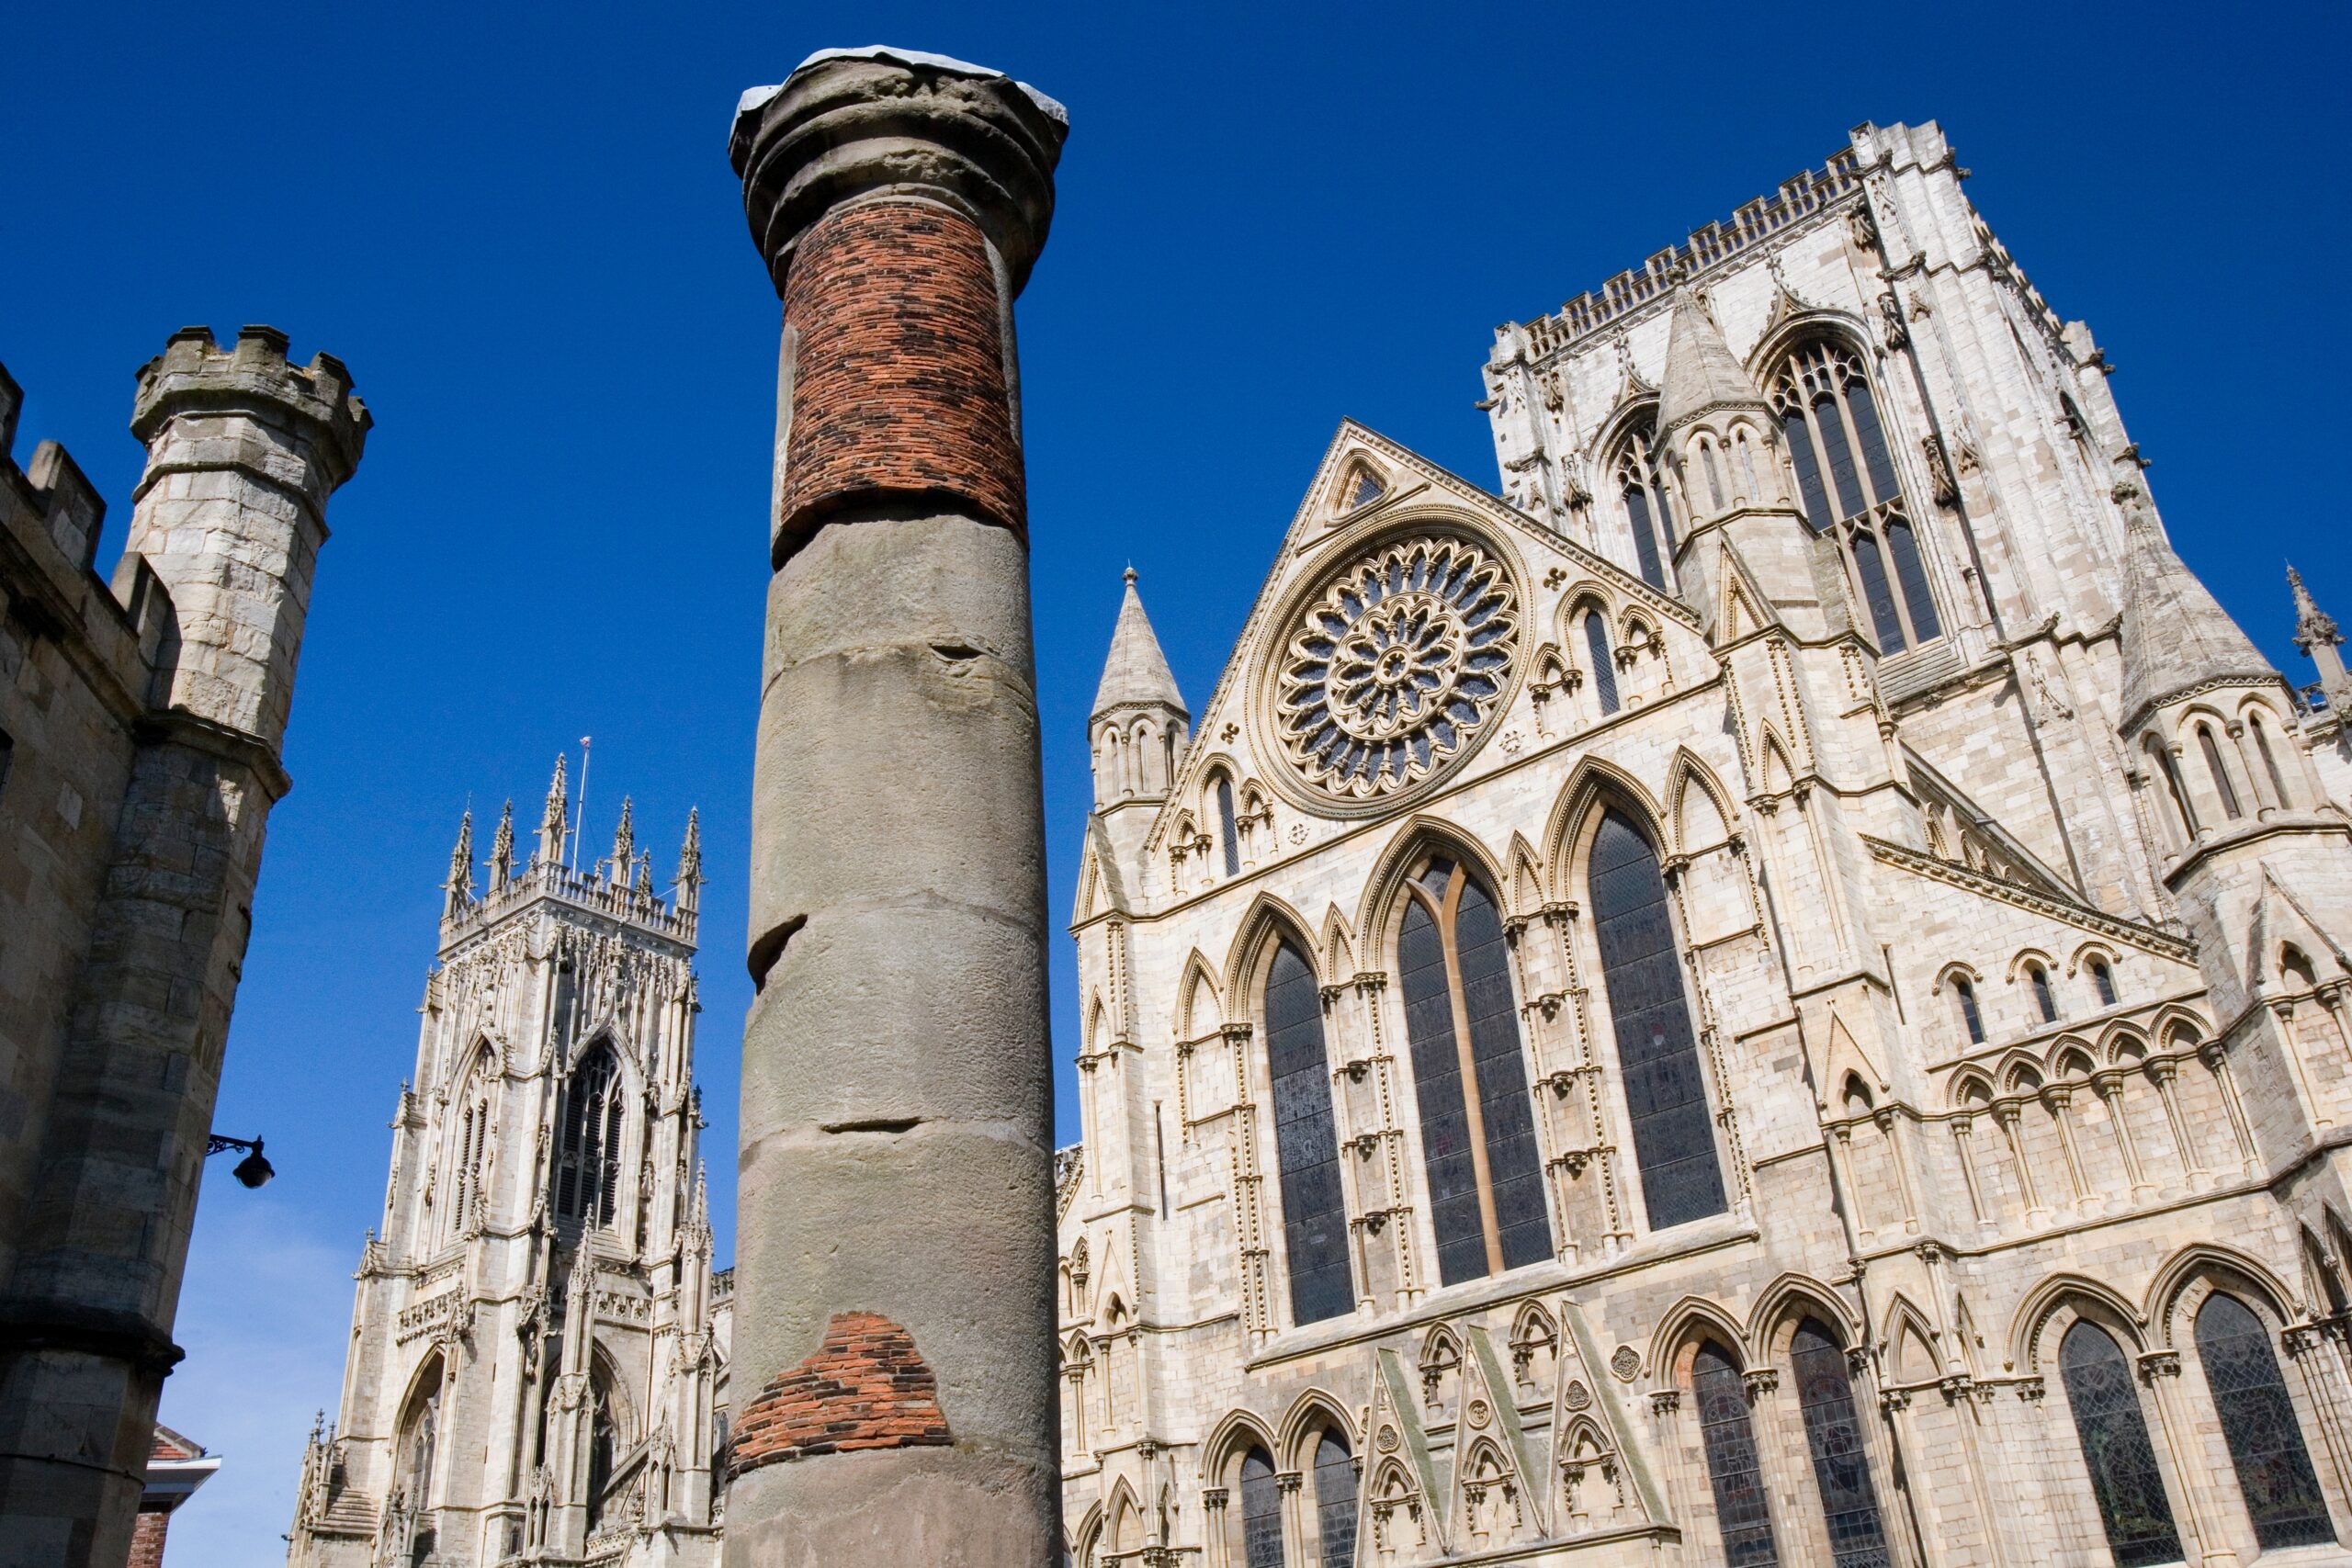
(853, 123)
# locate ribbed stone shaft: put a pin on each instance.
(893, 1357)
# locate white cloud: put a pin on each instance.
(264, 1316)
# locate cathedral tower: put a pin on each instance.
(539, 1343)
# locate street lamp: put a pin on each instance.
(253, 1170)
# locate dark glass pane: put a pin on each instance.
(1968, 1013)
(1335, 1502)
(1840, 1466)
(1665, 502)
(1732, 1468)
(1798, 435)
(1872, 567)
(1315, 1216)
(1604, 667)
(1674, 1140)
(1873, 435)
(1437, 1083)
(2282, 1496)
(2269, 760)
(2044, 997)
(1843, 482)
(1261, 1513)
(2104, 979)
(2220, 775)
(1512, 1160)
(1224, 822)
(1637, 507)
(1911, 576)
(2114, 1434)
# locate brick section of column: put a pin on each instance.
(899, 384)
(147, 1539)
(866, 1387)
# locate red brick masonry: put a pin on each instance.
(898, 376)
(866, 1387)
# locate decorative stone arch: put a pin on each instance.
(1533, 1326)
(1382, 905)
(1687, 1323)
(1086, 1541)
(1967, 1084)
(604, 1375)
(1775, 769)
(2103, 951)
(1586, 595)
(1089, 881)
(2025, 955)
(1098, 1024)
(1637, 634)
(1689, 783)
(2021, 1073)
(1267, 918)
(1236, 1433)
(1524, 896)
(1316, 1411)
(2180, 1028)
(1594, 785)
(1122, 1529)
(2198, 1270)
(1637, 407)
(1338, 947)
(1809, 323)
(1958, 969)
(2070, 1055)
(1200, 1008)
(2069, 1296)
(1343, 501)
(1786, 1303)
(1908, 1343)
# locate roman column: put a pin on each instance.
(894, 1360)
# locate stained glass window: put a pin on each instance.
(2282, 1496)
(1969, 1017)
(1648, 511)
(1604, 667)
(1833, 1436)
(1674, 1140)
(1838, 444)
(1315, 1218)
(1733, 1471)
(1262, 1512)
(1489, 1214)
(1226, 828)
(2114, 1435)
(1335, 1502)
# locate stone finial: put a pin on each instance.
(502, 850)
(689, 883)
(2313, 626)
(459, 888)
(625, 843)
(555, 821)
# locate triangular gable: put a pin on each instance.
(1605, 1408)
(1398, 1446)
(1505, 1405)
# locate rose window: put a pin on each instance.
(1399, 664)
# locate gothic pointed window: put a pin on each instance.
(1335, 1503)
(1604, 664)
(420, 1436)
(2113, 1432)
(2045, 1001)
(1970, 1018)
(1733, 1473)
(1657, 1054)
(2269, 758)
(1229, 828)
(1846, 482)
(1649, 510)
(2183, 818)
(1485, 1177)
(1363, 486)
(588, 1153)
(1315, 1215)
(2273, 1468)
(2220, 774)
(1262, 1512)
(1833, 1435)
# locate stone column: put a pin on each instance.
(894, 1345)
(242, 451)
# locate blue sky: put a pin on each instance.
(518, 227)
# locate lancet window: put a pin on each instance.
(2102, 981)
(1649, 509)
(1964, 992)
(602, 1442)
(1470, 1073)
(2045, 1001)
(1604, 663)
(1658, 1053)
(588, 1156)
(1229, 828)
(1262, 1512)
(1734, 1472)
(1833, 1435)
(1315, 1217)
(1846, 481)
(2219, 773)
(2273, 1468)
(2269, 758)
(2113, 1432)
(472, 1132)
(420, 1435)
(1335, 1502)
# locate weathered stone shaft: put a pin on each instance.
(893, 1360)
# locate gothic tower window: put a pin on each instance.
(470, 1152)
(1970, 1018)
(1846, 481)
(1470, 1074)
(1604, 665)
(1335, 1502)
(1666, 1096)
(2269, 758)
(1315, 1219)
(420, 1435)
(1833, 1435)
(588, 1156)
(2274, 1469)
(1649, 511)
(2220, 774)
(1733, 1473)
(1262, 1512)
(1229, 828)
(2113, 1432)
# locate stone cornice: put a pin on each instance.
(2147, 938)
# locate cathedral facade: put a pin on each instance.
(1776, 995)
(538, 1344)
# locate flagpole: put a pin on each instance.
(580, 817)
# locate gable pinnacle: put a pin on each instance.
(1702, 373)
(689, 881)
(625, 843)
(502, 850)
(556, 819)
(461, 886)
(2313, 626)
(1136, 672)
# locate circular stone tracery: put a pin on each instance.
(1396, 666)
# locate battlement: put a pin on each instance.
(195, 376)
(591, 891)
(53, 486)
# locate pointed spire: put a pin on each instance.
(1701, 372)
(625, 843)
(459, 888)
(2176, 635)
(555, 821)
(644, 873)
(690, 865)
(2315, 634)
(1136, 672)
(502, 850)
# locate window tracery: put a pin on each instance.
(2113, 1432)
(2219, 773)
(1649, 508)
(1335, 1502)
(1262, 1512)
(1479, 1154)
(588, 1156)
(1846, 482)
(2266, 1441)
(1734, 1472)
(1833, 1436)
(1315, 1220)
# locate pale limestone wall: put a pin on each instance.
(1867, 833)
